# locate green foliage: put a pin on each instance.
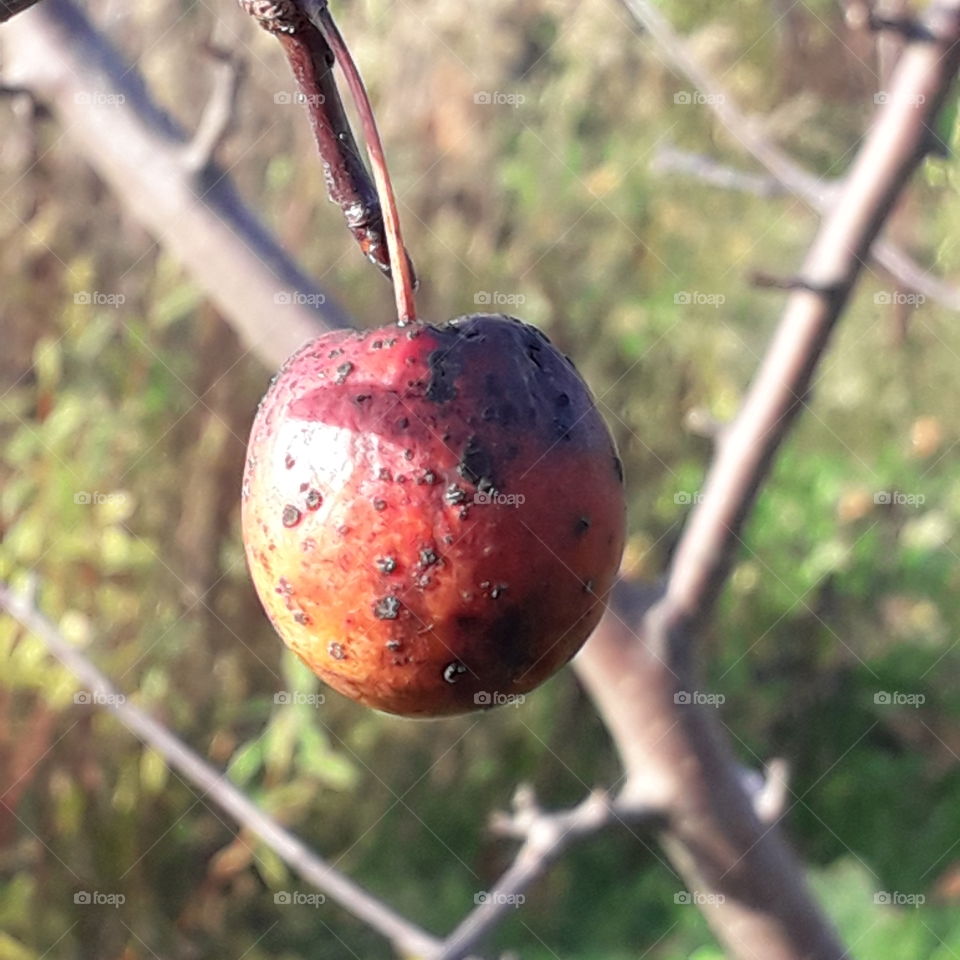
(123, 428)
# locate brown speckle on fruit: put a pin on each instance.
(386, 564)
(336, 650)
(314, 499)
(387, 608)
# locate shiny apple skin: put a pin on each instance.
(432, 515)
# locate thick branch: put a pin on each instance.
(755, 896)
(406, 936)
(140, 152)
(817, 194)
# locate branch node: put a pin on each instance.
(768, 281)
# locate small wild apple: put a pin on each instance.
(432, 514)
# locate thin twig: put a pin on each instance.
(816, 193)
(401, 270)
(349, 184)
(545, 836)
(405, 935)
(218, 114)
(670, 159)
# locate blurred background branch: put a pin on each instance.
(152, 166)
(748, 132)
(406, 936)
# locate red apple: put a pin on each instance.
(432, 515)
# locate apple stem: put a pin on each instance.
(401, 271)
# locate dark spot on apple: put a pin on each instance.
(386, 564)
(455, 495)
(291, 515)
(475, 465)
(343, 371)
(336, 651)
(314, 500)
(445, 364)
(387, 608)
(452, 672)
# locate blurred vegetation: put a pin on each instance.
(837, 599)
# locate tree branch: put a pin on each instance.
(816, 193)
(669, 159)
(545, 836)
(103, 104)
(406, 936)
(9, 8)
(757, 902)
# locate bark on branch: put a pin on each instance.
(640, 668)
